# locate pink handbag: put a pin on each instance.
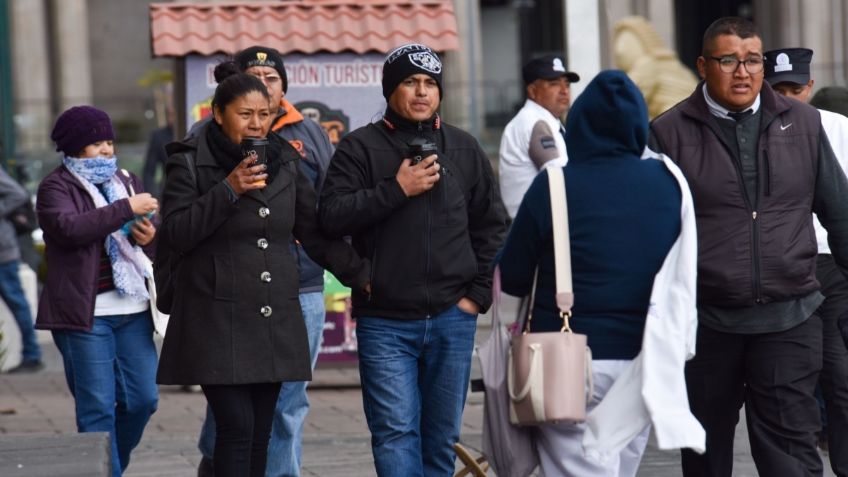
(550, 374)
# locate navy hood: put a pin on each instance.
(609, 118)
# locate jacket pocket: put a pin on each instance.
(451, 210)
(224, 277)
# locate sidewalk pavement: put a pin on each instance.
(336, 438)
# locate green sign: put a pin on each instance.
(332, 286)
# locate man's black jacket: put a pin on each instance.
(427, 251)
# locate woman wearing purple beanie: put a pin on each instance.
(96, 224)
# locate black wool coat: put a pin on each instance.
(236, 316)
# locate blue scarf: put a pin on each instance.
(96, 170)
(127, 266)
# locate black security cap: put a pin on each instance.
(788, 65)
(547, 67)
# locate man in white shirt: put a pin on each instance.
(534, 138)
(788, 72)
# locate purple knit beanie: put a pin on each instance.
(79, 127)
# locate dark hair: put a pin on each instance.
(727, 26)
(232, 84)
(831, 98)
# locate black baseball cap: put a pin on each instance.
(788, 65)
(547, 67)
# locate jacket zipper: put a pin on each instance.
(443, 183)
(755, 249)
(765, 181)
(766, 175)
(427, 255)
(427, 244)
(756, 258)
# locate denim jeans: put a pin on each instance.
(13, 294)
(293, 404)
(284, 448)
(414, 382)
(111, 372)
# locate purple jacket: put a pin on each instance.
(74, 235)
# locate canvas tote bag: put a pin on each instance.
(549, 374)
(508, 448)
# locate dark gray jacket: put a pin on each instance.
(12, 196)
(236, 318)
(315, 149)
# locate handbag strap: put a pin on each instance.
(128, 182)
(496, 299)
(562, 244)
(562, 252)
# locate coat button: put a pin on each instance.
(264, 212)
(262, 243)
(265, 277)
(266, 311)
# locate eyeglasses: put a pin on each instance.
(729, 64)
(267, 77)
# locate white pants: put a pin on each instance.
(560, 446)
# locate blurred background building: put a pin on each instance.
(58, 53)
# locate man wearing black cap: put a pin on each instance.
(418, 197)
(758, 165)
(534, 138)
(788, 73)
(310, 139)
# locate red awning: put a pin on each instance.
(306, 26)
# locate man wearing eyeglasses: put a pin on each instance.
(758, 165)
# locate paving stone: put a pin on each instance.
(336, 438)
(69, 455)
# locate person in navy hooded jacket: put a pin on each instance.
(624, 216)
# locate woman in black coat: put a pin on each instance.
(236, 327)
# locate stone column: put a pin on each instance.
(463, 96)
(818, 26)
(583, 41)
(839, 22)
(72, 74)
(817, 35)
(30, 75)
(661, 14)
